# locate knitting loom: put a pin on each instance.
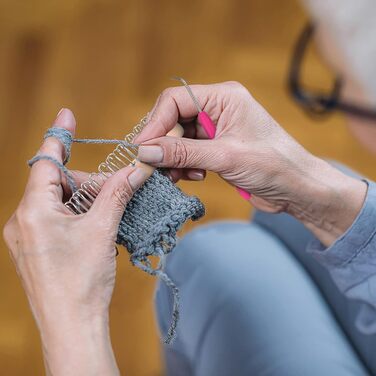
(123, 155)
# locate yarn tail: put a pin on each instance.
(171, 333)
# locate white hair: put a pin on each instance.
(352, 24)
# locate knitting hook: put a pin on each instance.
(207, 124)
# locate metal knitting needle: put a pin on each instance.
(184, 82)
(203, 118)
(208, 125)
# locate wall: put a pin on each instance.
(108, 61)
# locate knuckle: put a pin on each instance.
(237, 87)
(179, 154)
(158, 114)
(234, 84)
(26, 217)
(168, 92)
(52, 147)
(8, 230)
(11, 235)
(122, 196)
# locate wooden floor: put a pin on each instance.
(108, 60)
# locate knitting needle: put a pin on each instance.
(207, 124)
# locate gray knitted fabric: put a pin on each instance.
(151, 220)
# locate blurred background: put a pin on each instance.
(108, 60)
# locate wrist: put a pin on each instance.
(72, 343)
(328, 201)
(67, 326)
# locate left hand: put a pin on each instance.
(67, 262)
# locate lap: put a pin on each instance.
(249, 307)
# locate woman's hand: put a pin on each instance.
(67, 262)
(253, 152)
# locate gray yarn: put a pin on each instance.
(159, 209)
(63, 169)
(101, 141)
(151, 220)
(65, 137)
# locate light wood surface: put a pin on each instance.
(108, 61)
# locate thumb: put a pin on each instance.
(116, 192)
(172, 152)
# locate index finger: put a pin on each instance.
(43, 172)
(172, 106)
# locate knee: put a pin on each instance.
(198, 266)
(196, 256)
(205, 249)
(218, 264)
(214, 248)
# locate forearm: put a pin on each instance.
(327, 201)
(78, 348)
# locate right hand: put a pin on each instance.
(251, 151)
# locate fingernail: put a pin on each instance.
(64, 118)
(150, 154)
(196, 175)
(59, 112)
(169, 176)
(137, 178)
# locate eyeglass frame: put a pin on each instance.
(313, 101)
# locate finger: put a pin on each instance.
(45, 173)
(172, 152)
(194, 174)
(116, 193)
(194, 130)
(189, 129)
(174, 174)
(79, 177)
(173, 105)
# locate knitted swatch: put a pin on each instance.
(150, 221)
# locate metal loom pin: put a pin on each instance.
(122, 156)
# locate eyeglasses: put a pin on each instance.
(313, 101)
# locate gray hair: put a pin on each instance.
(352, 24)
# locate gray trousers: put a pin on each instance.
(254, 303)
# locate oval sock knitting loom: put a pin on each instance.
(151, 218)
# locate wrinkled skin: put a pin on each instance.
(67, 262)
(252, 151)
